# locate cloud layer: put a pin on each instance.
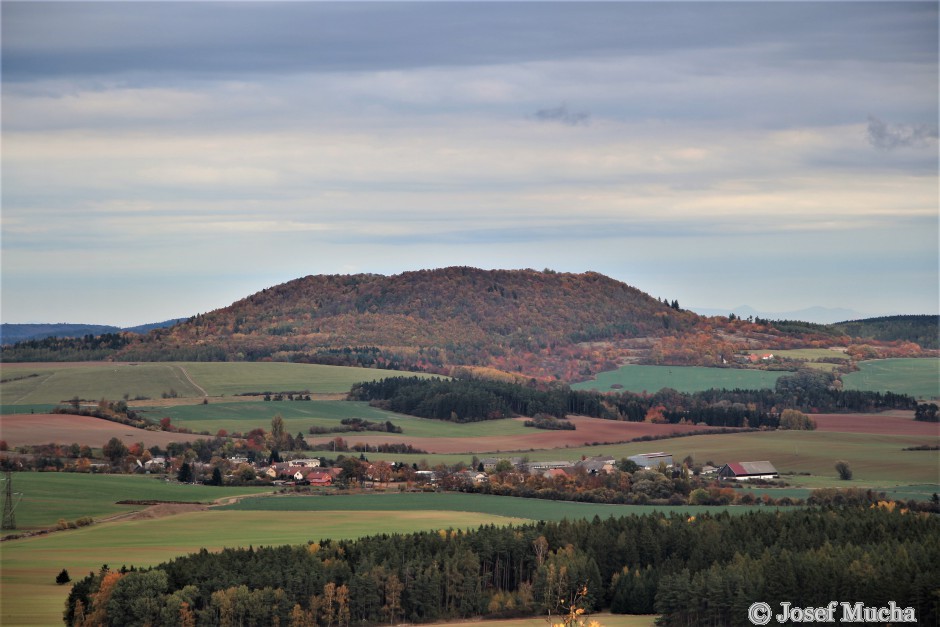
(779, 154)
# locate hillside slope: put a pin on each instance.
(536, 323)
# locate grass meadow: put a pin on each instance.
(807, 354)
(810, 357)
(634, 378)
(30, 596)
(512, 507)
(919, 378)
(55, 383)
(901, 493)
(301, 415)
(48, 497)
(226, 379)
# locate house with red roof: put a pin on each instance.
(320, 477)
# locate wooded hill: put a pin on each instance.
(546, 325)
(536, 323)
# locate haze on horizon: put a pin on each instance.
(161, 159)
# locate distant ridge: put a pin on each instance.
(13, 333)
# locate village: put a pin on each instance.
(647, 477)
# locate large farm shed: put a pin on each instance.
(742, 471)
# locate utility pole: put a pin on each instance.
(9, 521)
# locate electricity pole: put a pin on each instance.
(9, 521)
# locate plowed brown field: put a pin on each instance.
(888, 423)
(22, 429)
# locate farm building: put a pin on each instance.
(743, 471)
(538, 468)
(305, 462)
(319, 477)
(489, 463)
(426, 476)
(597, 465)
(472, 477)
(652, 460)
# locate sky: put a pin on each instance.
(162, 159)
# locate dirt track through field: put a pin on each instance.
(191, 382)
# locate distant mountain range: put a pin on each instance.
(817, 315)
(13, 333)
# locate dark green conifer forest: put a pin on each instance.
(694, 571)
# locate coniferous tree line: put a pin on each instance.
(702, 570)
(468, 400)
(460, 400)
(86, 348)
(921, 330)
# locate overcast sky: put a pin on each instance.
(162, 159)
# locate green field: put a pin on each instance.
(29, 595)
(393, 501)
(50, 496)
(807, 354)
(299, 416)
(682, 378)
(56, 383)
(901, 493)
(226, 379)
(919, 378)
(876, 460)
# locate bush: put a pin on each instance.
(796, 420)
(63, 577)
(842, 467)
